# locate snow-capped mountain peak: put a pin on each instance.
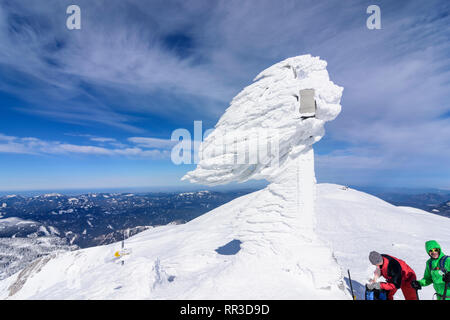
(182, 262)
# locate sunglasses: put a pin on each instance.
(433, 250)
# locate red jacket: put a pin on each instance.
(396, 272)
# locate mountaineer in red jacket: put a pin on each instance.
(397, 274)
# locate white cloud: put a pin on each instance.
(6, 138)
(342, 161)
(153, 142)
(101, 139)
(35, 146)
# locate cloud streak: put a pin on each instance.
(35, 146)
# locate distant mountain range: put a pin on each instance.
(443, 209)
(437, 202)
(35, 226)
(101, 218)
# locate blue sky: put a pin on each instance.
(95, 108)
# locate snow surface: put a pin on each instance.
(17, 252)
(15, 222)
(355, 223)
(181, 262)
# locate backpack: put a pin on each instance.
(441, 264)
(375, 294)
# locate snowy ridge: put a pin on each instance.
(354, 223)
(180, 261)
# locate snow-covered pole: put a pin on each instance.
(296, 181)
(306, 188)
(123, 246)
(291, 100)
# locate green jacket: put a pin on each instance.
(435, 276)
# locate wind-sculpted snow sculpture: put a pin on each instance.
(262, 129)
(263, 135)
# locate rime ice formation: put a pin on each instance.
(263, 136)
(264, 112)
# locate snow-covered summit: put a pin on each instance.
(182, 262)
(263, 135)
(52, 195)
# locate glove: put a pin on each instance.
(446, 277)
(373, 285)
(416, 285)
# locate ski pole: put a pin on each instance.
(445, 292)
(351, 286)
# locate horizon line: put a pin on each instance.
(193, 188)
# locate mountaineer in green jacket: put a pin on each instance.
(437, 271)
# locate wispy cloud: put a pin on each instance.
(152, 142)
(101, 139)
(35, 146)
(103, 72)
